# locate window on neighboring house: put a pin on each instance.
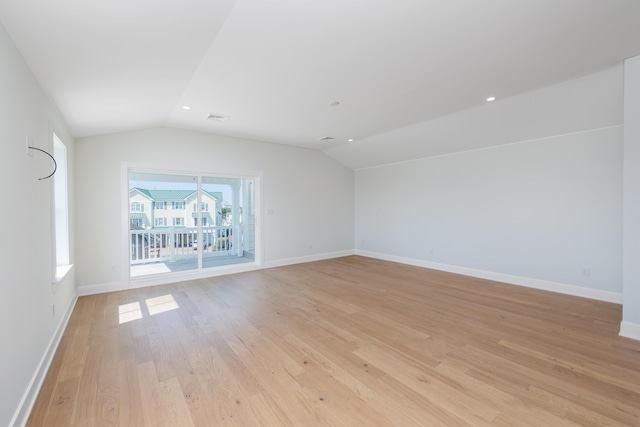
(137, 222)
(161, 222)
(205, 207)
(204, 222)
(137, 207)
(178, 221)
(159, 205)
(61, 208)
(178, 205)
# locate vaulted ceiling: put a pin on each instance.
(294, 71)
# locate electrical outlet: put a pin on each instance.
(586, 272)
(310, 246)
(53, 310)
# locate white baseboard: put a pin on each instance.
(163, 279)
(101, 288)
(630, 330)
(21, 415)
(528, 282)
(309, 258)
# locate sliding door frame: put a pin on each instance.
(150, 280)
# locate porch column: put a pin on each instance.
(235, 225)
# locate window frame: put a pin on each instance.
(205, 207)
(60, 200)
(128, 168)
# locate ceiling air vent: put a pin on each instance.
(327, 138)
(217, 117)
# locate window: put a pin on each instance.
(204, 221)
(137, 222)
(137, 207)
(61, 208)
(179, 235)
(205, 207)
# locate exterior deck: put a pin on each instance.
(166, 250)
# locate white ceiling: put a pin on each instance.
(275, 66)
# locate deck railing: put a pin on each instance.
(178, 243)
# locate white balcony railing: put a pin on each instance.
(178, 243)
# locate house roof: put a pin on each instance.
(215, 194)
(170, 195)
(173, 195)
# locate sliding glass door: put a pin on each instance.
(184, 222)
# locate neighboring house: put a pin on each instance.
(172, 208)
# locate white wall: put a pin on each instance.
(307, 196)
(536, 212)
(631, 273)
(27, 327)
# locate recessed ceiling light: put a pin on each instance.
(186, 107)
(335, 103)
(218, 117)
(327, 138)
(350, 139)
(491, 98)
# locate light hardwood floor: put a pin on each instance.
(345, 342)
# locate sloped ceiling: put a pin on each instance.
(275, 68)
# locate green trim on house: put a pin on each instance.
(204, 214)
(215, 194)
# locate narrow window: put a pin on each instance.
(61, 208)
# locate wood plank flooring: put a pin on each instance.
(345, 342)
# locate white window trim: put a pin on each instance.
(61, 241)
